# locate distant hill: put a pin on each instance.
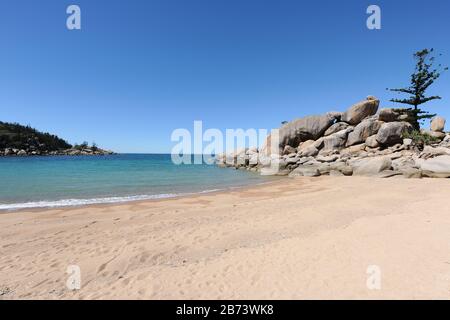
(14, 135)
(16, 139)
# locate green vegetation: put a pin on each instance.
(423, 77)
(420, 138)
(85, 145)
(13, 135)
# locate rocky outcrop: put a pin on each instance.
(392, 133)
(362, 131)
(438, 167)
(339, 126)
(88, 151)
(371, 166)
(337, 140)
(357, 142)
(391, 115)
(356, 113)
(303, 129)
(21, 141)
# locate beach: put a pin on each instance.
(302, 238)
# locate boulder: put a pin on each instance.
(372, 142)
(324, 168)
(310, 151)
(430, 152)
(438, 167)
(303, 129)
(336, 141)
(387, 115)
(392, 133)
(353, 150)
(292, 160)
(335, 173)
(437, 124)
(318, 143)
(330, 158)
(362, 131)
(411, 173)
(303, 145)
(339, 126)
(405, 161)
(371, 166)
(407, 142)
(305, 171)
(288, 149)
(356, 113)
(22, 153)
(346, 170)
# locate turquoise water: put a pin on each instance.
(32, 182)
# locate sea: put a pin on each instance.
(61, 181)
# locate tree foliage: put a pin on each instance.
(14, 135)
(425, 74)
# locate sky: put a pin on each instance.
(139, 69)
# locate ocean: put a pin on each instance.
(39, 182)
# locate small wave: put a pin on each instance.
(82, 202)
(106, 200)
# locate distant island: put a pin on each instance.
(19, 140)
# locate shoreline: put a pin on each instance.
(125, 202)
(302, 238)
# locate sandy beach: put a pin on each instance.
(303, 238)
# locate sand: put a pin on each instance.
(304, 238)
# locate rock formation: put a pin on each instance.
(359, 141)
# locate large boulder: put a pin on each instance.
(437, 124)
(342, 167)
(372, 142)
(362, 131)
(330, 158)
(438, 167)
(302, 146)
(303, 129)
(336, 141)
(305, 171)
(392, 133)
(356, 113)
(338, 126)
(309, 151)
(430, 152)
(371, 166)
(353, 150)
(387, 115)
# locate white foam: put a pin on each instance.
(81, 202)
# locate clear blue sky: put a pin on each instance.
(139, 69)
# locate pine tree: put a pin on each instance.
(423, 77)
